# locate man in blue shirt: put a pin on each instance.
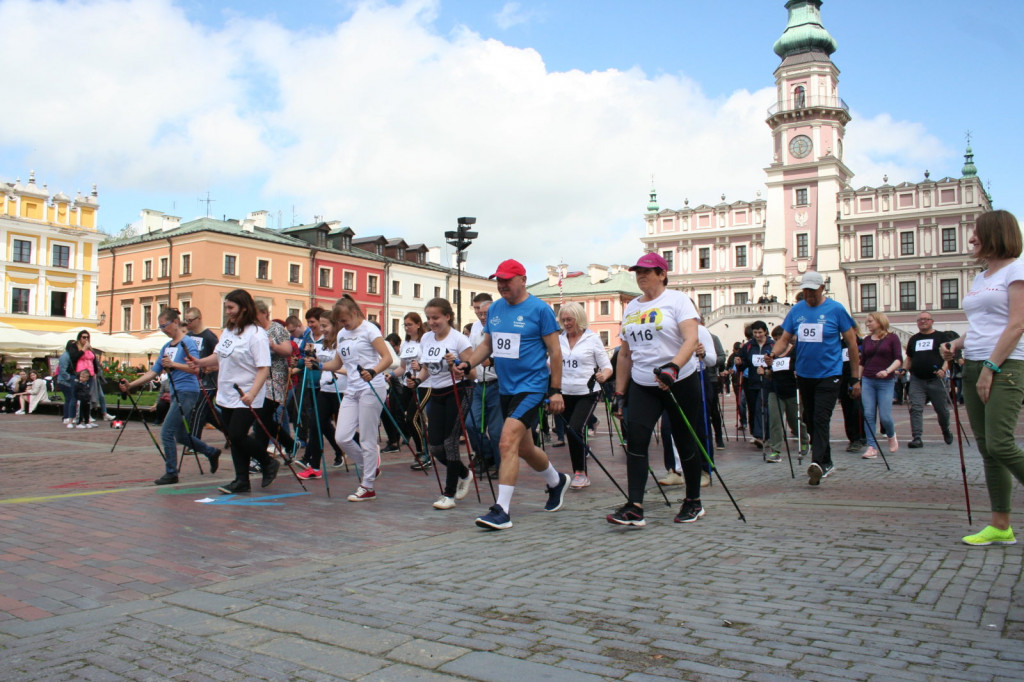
(521, 336)
(820, 325)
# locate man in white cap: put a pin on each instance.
(820, 326)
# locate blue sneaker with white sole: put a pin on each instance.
(556, 495)
(496, 519)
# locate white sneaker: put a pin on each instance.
(67, 421)
(81, 426)
(705, 479)
(71, 425)
(91, 425)
(444, 502)
(462, 487)
(109, 417)
(579, 480)
(672, 478)
(20, 412)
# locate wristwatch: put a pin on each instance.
(992, 366)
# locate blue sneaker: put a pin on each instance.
(496, 519)
(556, 495)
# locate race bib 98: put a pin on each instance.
(505, 345)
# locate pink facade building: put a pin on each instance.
(898, 249)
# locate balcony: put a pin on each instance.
(800, 103)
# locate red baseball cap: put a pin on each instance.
(651, 261)
(509, 269)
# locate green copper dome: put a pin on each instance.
(652, 205)
(804, 30)
(969, 170)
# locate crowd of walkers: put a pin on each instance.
(338, 379)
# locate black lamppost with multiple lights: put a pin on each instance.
(460, 238)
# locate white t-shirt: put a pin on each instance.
(987, 305)
(651, 328)
(330, 380)
(476, 337)
(355, 348)
(240, 355)
(704, 338)
(432, 352)
(581, 361)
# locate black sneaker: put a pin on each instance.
(236, 487)
(254, 467)
(338, 463)
(947, 436)
(214, 460)
(916, 443)
(422, 462)
(829, 468)
(719, 443)
(689, 512)
(628, 515)
(556, 495)
(271, 472)
(166, 479)
(854, 446)
(389, 448)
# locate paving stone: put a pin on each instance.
(490, 667)
(322, 657)
(426, 654)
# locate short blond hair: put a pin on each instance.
(576, 312)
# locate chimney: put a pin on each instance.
(258, 218)
(248, 225)
(151, 220)
(170, 222)
(598, 273)
(434, 255)
(552, 276)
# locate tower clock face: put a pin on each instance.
(800, 146)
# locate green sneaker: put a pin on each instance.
(773, 458)
(990, 536)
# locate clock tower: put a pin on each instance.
(808, 122)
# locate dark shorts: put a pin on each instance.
(522, 406)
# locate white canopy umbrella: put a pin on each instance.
(14, 340)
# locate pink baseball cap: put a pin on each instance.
(509, 269)
(650, 260)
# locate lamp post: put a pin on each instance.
(460, 238)
(765, 288)
(828, 285)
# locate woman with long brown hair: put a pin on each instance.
(242, 358)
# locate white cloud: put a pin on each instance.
(512, 14)
(385, 124)
(901, 150)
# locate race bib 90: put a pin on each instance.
(505, 345)
(780, 364)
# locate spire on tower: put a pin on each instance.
(804, 30)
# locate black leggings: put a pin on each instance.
(578, 409)
(645, 407)
(326, 409)
(238, 422)
(268, 415)
(444, 426)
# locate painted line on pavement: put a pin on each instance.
(45, 498)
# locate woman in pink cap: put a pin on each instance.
(657, 363)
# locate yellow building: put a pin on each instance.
(49, 266)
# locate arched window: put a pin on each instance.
(800, 97)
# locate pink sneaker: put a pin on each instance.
(309, 473)
(579, 480)
(870, 453)
(894, 444)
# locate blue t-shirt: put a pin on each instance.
(819, 331)
(517, 344)
(183, 382)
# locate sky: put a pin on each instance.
(545, 120)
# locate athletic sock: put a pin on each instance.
(505, 496)
(551, 476)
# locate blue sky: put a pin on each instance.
(545, 120)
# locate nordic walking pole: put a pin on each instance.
(320, 439)
(704, 406)
(344, 456)
(586, 448)
(799, 431)
(704, 452)
(124, 425)
(405, 440)
(954, 399)
(785, 436)
(135, 408)
(960, 444)
(465, 434)
(277, 448)
(188, 429)
(864, 425)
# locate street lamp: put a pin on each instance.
(460, 238)
(828, 285)
(765, 287)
